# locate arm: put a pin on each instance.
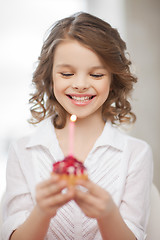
(49, 198)
(35, 227)
(97, 203)
(113, 227)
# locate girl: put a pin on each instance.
(82, 70)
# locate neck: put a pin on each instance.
(87, 130)
(88, 122)
(85, 127)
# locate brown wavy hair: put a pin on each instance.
(106, 42)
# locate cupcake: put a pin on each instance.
(70, 169)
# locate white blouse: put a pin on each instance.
(118, 163)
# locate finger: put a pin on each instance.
(66, 198)
(59, 199)
(52, 179)
(93, 188)
(51, 190)
(88, 203)
(92, 206)
(54, 188)
(84, 197)
(89, 197)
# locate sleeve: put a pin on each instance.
(135, 205)
(17, 203)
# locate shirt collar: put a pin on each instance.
(45, 136)
(111, 136)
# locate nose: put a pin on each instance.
(80, 83)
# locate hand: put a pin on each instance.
(49, 196)
(95, 202)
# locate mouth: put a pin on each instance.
(81, 99)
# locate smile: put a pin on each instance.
(81, 99)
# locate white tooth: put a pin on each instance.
(80, 98)
(86, 98)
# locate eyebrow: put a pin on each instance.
(63, 65)
(99, 67)
(68, 65)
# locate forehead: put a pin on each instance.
(74, 53)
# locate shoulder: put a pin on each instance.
(117, 138)
(138, 152)
(136, 145)
(40, 136)
(131, 146)
(133, 143)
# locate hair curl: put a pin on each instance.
(106, 42)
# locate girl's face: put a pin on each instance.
(81, 82)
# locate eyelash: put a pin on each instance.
(67, 74)
(97, 75)
(92, 75)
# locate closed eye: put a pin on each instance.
(97, 75)
(67, 74)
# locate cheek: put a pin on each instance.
(105, 94)
(59, 83)
(104, 90)
(57, 86)
(106, 87)
(57, 90)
